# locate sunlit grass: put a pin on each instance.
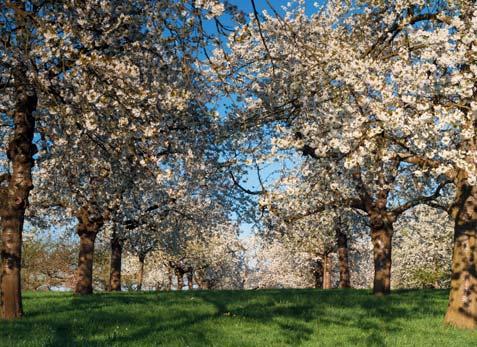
(235, 318)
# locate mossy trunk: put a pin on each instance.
(462, 307)
(20, 153)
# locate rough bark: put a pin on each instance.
(382, 243)
(116, 255)
(84, 284)
(88, 227)
(141, 272)
(342, 242)
(20, 153)
(462, 307)
(327, 264)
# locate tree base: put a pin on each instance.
(380, 295)
(460, 319)
(11, 316)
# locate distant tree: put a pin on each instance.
(423, 249)
(47, 264)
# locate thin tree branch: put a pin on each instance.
(420, 200)
(255, 13)
(245, 190)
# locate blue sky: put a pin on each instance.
(269, 171)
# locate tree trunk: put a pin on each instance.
(88, 228)
(115, 273)
(141, 272)
(190, 283)
(20, 153)
(180, 279)
(169, 279)
(342, 241)
(84, 284)
(327, 263)
(382, 243)
(200, 280)
(318, 274)
(462, 307)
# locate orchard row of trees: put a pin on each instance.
(108, 100)
(51, 264)
(300, 258)
(380, 98)
(117, 104)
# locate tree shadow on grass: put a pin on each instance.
(194, 318)
(294, 313)
(377, 318)
(264, 308)
(298, 314)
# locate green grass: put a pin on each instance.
(235, 318)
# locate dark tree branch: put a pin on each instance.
(420, 200)
(132, 224)
(245, 190)
(255, 13)
(397, 27)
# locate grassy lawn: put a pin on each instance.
(235, 318)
